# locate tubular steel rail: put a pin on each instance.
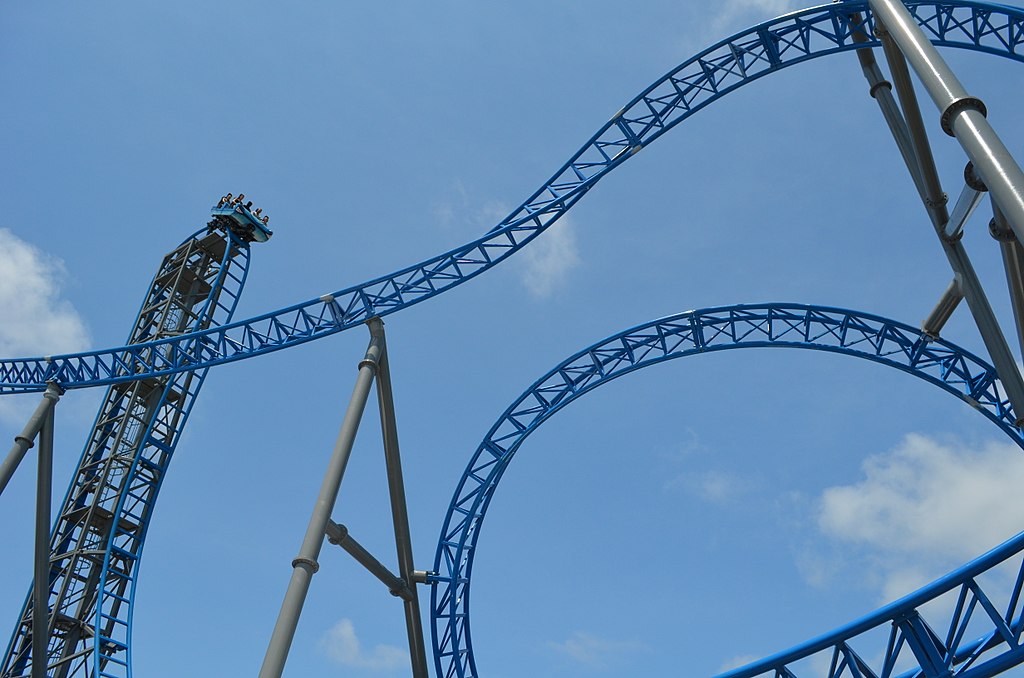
(688, 88)
(859, 335)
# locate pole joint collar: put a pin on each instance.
(958, 106)
(315, 566)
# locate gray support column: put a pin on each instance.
(23, 442)
(935, 203)
(962, 115)
(41, 585)
(305, 564)
(1013, 263)
(881, 92)
(399, 510)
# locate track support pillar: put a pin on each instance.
(908, 128)
(373, 368)
(305, 565)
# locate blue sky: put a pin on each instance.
(696, 515)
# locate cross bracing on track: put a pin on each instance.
(688, 88)
(950, 652)
(96, 545)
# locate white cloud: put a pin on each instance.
(737, 662)
(716, 487)
(734, 15)
(550, 258)
(35, 320)
(342, 645)
(594, 652)
(924, 507)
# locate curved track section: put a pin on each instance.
(690, 87)
(746, 326)
(96, 545)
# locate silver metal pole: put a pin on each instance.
(935, 203)
(41, 586)
(943, 310)
(23, 442)
(399, 510)
(305, 564)
(881, 92)
(1013, 262)
(962, 115)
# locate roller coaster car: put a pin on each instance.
(242, 221)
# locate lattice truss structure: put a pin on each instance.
(98, 538)
(687, 89)
(890, 343)
(185, 327)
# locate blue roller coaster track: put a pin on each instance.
(720, 329)
(690, 87)
(153, 380)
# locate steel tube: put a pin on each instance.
(305, 564)
(881, 92)
(1013, 263)
(339, 535)
(963, 116)
(943, 310)
(23, 442)
(41, 585)
(962, 211)
(399, 510)
(935, 204)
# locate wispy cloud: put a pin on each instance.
(544, 265)
(736, 662)
(342, 645)
(35, 318)
(594, 652)
(926, 501)
(732, 15)
(551, 258)
(716, 487)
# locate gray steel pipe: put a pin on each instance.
(935, 204)
(23, 442)
(305, 564)
(339, 536)
(943, 310)
(399, 510)
(962, 115)
(41, 584)
(1013, 263)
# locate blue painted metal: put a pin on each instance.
(688, 88)
(818, 328)
(97, 542)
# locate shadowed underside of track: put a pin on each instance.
(98, 539)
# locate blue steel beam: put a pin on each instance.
(695, 84)
(859, 335)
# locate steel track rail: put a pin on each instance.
(850, 333)
(688, 88)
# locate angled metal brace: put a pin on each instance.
(1013, 263)
(908, 128)
(372, 368)
(962, 115)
